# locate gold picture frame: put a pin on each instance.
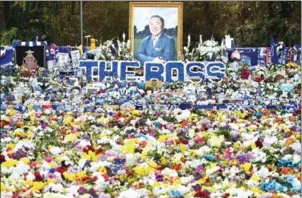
(139, 9)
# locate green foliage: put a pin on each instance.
(250, 23)
(8, 36)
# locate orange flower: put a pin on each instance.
(184, 123)
(277, 119)
(286, 170)
(292, 119)
(176, 167)
(290, 141)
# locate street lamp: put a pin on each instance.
(87, 37)
(81, 19)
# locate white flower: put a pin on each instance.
(212, 170)
(131, 160)
(215, 141)
(54, 195)
(296, 146)
(268, 141)
(296, 158)
(55, 150)
(203, 150)
(130, 193)
(169, 172)
(263, 173)
(186, 180)
(157, 191)
(258, 155)
(24, 144)
(21, 168)
(54, 187)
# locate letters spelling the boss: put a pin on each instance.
(169, 72)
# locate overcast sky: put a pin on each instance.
(142, 16)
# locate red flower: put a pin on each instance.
(176, 167)
(200, 140)
(202, 194)
(87, 148)
(38, 176)
(143, 144)
(245, 74)
(61, 170)
(33, 164)
(2, 159)
(259, 79)
(183, 141)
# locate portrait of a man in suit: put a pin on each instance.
(157, 47)
(155, 31)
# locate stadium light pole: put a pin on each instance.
(81, 18)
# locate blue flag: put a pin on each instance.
(274, 58)
(212, 38)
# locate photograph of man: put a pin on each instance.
(158, 47)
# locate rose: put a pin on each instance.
(245, 74)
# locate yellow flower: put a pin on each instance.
(129, 148)
(203, 180)
(163, 161)
(70, 138)
(28, 182)
(142, 171)
(67, 120)
(3, 187)
(177, 181)
(152, 164)
(255, 178)
(49, 180)
(53, 164)
(25, 160)
(69, 176)
(236, 145)
(90, 156)
(162, 138)
(37, 186)
(85, 196)
(12, 112)
(246, 167)
(155, 184)
(183, 148)
(11, 146)
(81, 174)
(253, 145)
(103, 170)
(9, 163)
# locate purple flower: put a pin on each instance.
(197, 175)
(243, 158)
(199, 168)
(82, 190)
(159, 177)
(196, 187)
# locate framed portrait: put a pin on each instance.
(155, 30)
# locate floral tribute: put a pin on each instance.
(64, 137)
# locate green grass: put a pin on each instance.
(137, 43)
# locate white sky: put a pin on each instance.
(142, 16)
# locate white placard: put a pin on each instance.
(63, 59)
(50, 65)
(75, 57)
